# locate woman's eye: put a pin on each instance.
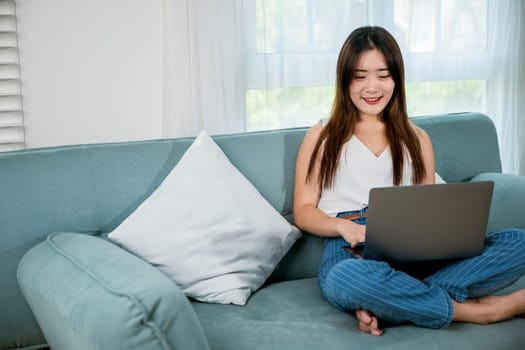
(359, 77)
(384, 76)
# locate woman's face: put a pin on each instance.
(372, 85)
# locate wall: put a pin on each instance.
(91, 70)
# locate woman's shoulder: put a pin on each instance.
(421, 133)
(315, 130)
(312, 136)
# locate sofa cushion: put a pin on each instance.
(208, 229)
(293, 315)
(508, 201)
(87, 293)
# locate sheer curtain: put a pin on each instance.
(521, 96)
(203, 67)
(506, 89)
(237, 65)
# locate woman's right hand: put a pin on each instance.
(351, 232)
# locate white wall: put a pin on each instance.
(91, 70)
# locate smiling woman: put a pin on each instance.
(373, 86)
(369, 142)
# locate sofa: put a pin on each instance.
(65, 285)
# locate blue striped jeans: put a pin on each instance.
(395, 296)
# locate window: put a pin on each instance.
(292, 48)
(446, 63)
(11, 117)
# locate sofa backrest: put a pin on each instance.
(92, 188)
(465, 144)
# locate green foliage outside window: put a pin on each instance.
(304, 106)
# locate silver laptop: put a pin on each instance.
(427, 222)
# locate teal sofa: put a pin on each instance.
(63, 284)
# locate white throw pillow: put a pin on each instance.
(208, 228)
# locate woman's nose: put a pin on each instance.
(372, 84)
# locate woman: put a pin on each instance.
(369, 142)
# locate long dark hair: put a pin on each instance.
(400, 132)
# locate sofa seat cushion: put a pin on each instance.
(293, 315)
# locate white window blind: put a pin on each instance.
(12, 134)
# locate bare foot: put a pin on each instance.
(368, 322)
(491, 308)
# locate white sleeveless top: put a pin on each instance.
(358, 171)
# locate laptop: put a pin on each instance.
(425, 223)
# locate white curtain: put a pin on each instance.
(203, 79)
(237, 65)
(506, 89)
(521, 97)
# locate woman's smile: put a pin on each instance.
(372, 100)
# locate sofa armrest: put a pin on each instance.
(87, 293)
(508, 201)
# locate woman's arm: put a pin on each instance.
(428, 156)
(306, 197)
